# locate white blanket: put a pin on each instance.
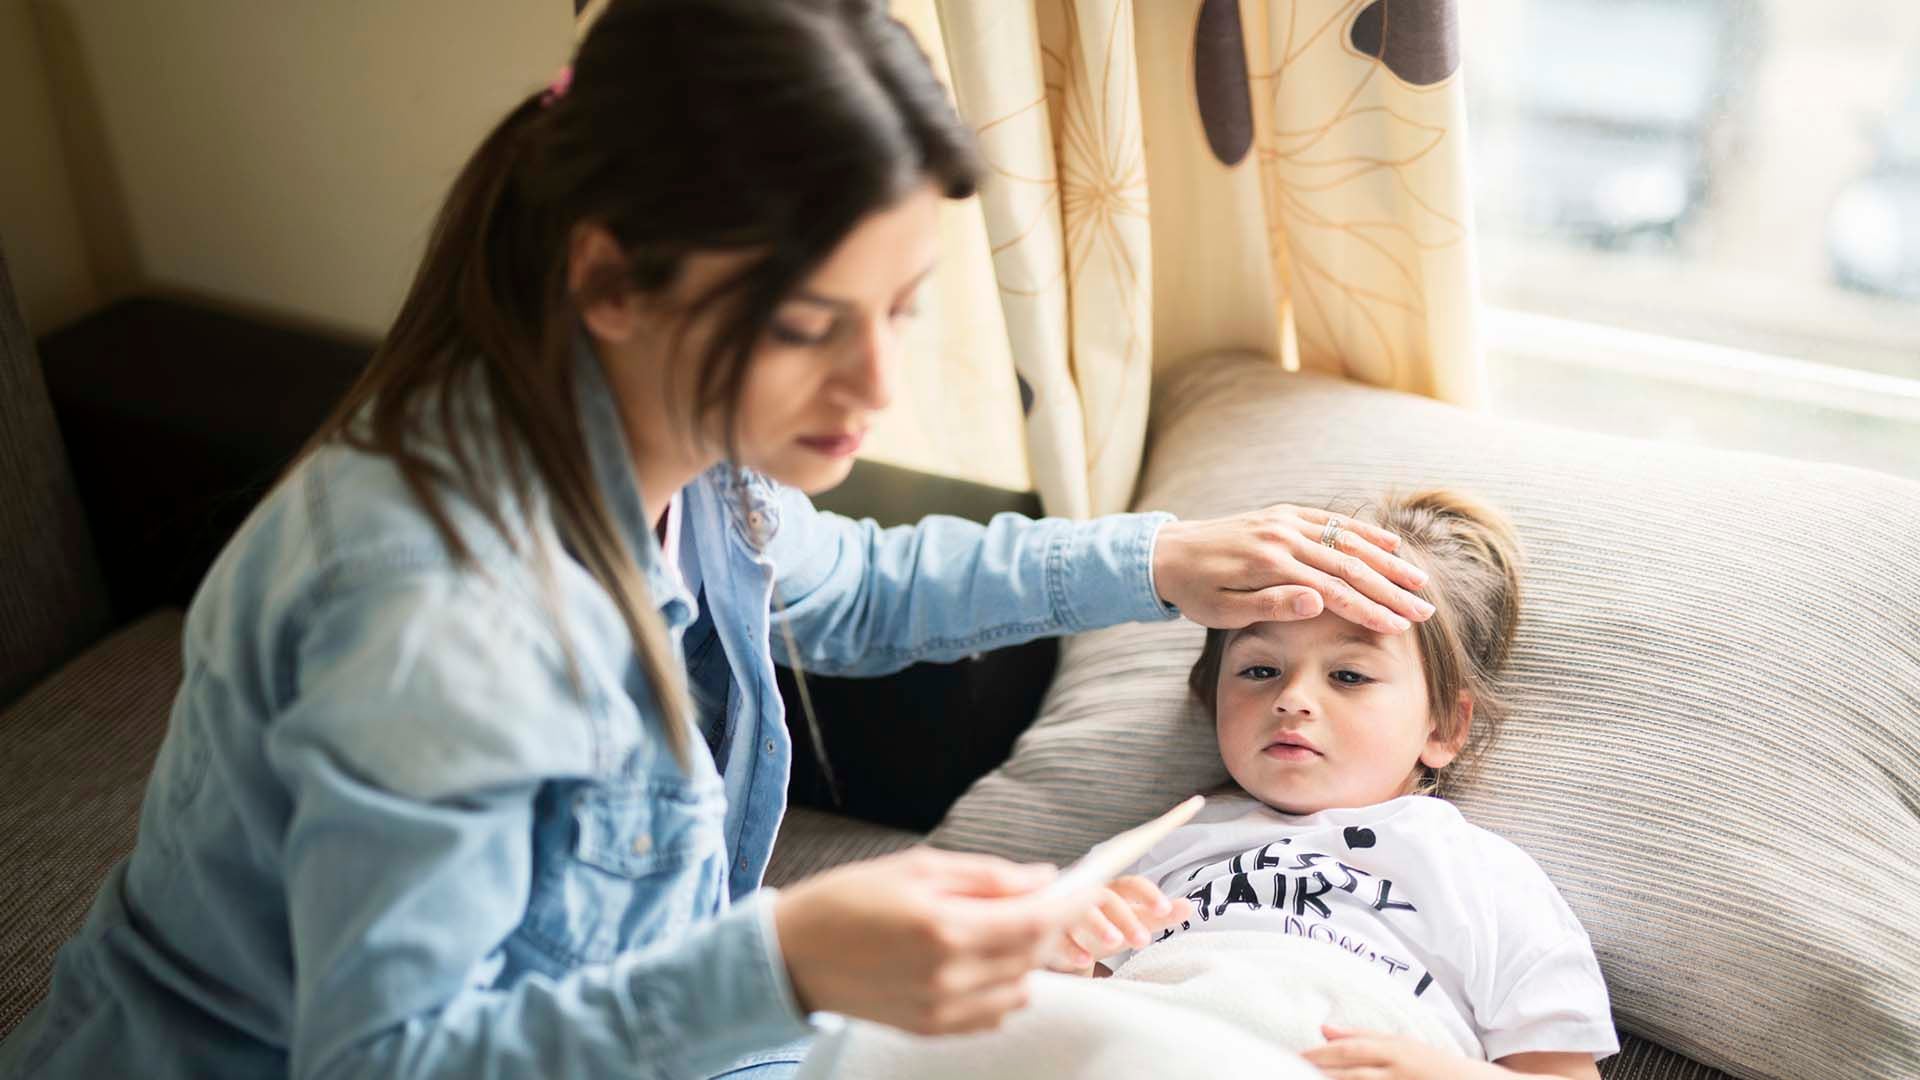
(1191, 1006)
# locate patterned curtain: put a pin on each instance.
(1168, 179)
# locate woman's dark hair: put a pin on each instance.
(767, 127)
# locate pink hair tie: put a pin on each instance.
(558, 88)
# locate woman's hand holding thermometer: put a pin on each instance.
(940, 942)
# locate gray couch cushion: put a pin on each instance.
(812, 840)
(1639, 1059)
(1715, 746)
(51, 601)
(78, 750)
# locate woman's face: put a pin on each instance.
(1321, 713)
(827, 361)
(829, 357)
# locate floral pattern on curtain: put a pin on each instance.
(1169, 179)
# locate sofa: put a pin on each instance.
(127, 460)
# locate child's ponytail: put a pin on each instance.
(1472, 559)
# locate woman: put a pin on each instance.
(478, 757)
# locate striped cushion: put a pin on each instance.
(1639, 1059)
(811, 841)
(78, 750)
(1715, 746)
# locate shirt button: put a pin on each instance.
(642, 844)
(743, 863)
(769, 746)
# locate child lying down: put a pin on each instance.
(1327, 913)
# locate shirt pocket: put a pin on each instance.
(641, 861)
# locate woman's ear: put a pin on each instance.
(1439, 753)
(594, 259)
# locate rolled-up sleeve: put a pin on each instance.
(863, 600)
(412, 755)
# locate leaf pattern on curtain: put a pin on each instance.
(1360, 125)
(1172, 179)
(1065, 202)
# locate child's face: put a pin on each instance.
(1354, 701)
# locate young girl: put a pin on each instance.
(1337, 740)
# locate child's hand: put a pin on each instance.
(1348, 1055)
(1128, 915)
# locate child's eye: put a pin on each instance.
(911, 311)
(1349, 678)
(1258, 671)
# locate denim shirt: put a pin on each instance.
(389, 833)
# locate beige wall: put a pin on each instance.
(287, 157)
(39, 225)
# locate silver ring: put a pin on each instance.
(1330, 535)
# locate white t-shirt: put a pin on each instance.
(670, 543)
(1468, 921)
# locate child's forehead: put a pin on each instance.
(1324, 630)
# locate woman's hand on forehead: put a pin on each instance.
(1287, 562)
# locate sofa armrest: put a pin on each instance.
(177, 417)
(904, 747)
(893, 495)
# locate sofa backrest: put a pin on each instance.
(52, 603)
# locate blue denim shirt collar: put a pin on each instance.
(611, 457)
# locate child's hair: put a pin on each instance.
(1472, 560)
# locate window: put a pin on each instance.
(1700, 219)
